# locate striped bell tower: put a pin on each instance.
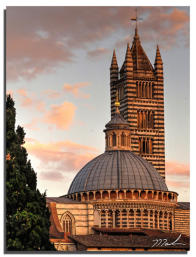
(141, 96)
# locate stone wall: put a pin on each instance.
(182, 221)
(83, 216)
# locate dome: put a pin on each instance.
(117, 120)
(117, 170)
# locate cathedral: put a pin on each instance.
(119, 201)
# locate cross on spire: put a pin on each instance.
(136, 19)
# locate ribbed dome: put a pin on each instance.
(117, 170)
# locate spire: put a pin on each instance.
(114, 63)
(136, 19)
(113, 69)
(158, 65)
(158, 58)
(128, 64)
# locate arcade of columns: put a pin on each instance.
(132, 208)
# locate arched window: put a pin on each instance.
(151, 120)
(121, 95)
(114, 139)
(67, 223)
(145, 145)
(123, 139)
(137, 89)
(145, 119)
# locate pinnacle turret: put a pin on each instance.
(158, 58)
(114, 63)
(114, 69)
(158, 65)
(128, 64)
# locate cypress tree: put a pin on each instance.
(27, 217)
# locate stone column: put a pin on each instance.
(146, 196)
(94, 195)
(149, 218)
(153, 218)
(125, 194)
(134, 210)
(120, 212)
(167, 221)
(106, 218)
(100, 218)
(87, 196)
(158, 212)
(128, 218)
(101, 192)
(139, 191)
(172, 221)
(163, 220)
(117, 194)
(109, 196)
(142, 217)
(113, 219)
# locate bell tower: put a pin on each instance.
(141, 95)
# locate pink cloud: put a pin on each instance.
(53, 176)
(30, 100)
(75, 89)
(176, 168)
(25, 100)
(54, 33)
(32, 125)
(51, 93)
(57, 146)
(10, 92)
(61, 115)
(60, 157)
(178, 184)
(97, 52)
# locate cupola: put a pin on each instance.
(117, 132)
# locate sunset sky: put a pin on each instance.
(58, 61)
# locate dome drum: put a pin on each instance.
(130, 195)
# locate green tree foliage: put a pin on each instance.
(27, 217)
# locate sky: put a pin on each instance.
(58, 60)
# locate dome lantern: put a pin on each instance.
(117, 132)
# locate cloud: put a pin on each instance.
(59, 157)
(52, 176)
(178, 184)
(32, 125)
(51, 93)
(10, 92)
(25, 100)
(97, 52)
(177, 175)
(55, 33)
(167, 26)
(75, 89)
(176, 168)
(61, 115)
(30, 100)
